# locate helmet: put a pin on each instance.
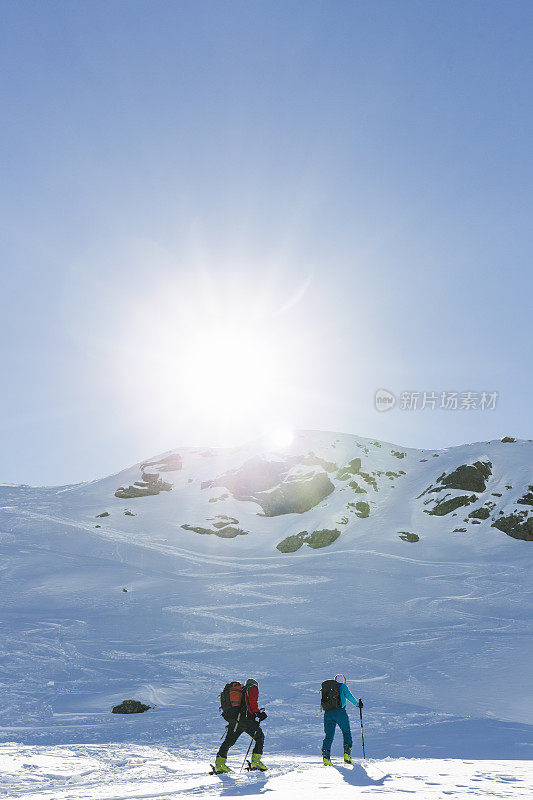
(340, 678)
(250, 682)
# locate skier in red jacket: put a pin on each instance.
(247, 722)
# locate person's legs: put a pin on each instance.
(329, 730)
(253, 729)
(343, 722)
(231, 737)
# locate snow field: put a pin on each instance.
(128, 772)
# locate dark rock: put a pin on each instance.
(480, 513)
(405, 536)
(227, 532)
(222, 521)
(515, 526)
(369, 479)
(316, 540)
(124, 590)
(133, 491)
(459, 530)
(362, 510)
(292, 543)
(143, 489)
(130, 707)
(150, 477)
(322, 538)
(295, 496)
(508, 439)
(399, 454)
(527, 499)
(349, 470)
(129, 514)
(216, 499)
(447, 506)
(103, 514)
(469, 477)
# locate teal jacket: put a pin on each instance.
(347, 695)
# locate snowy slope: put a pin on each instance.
(125, 772)
(428, 614)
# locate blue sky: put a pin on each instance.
(347, 185)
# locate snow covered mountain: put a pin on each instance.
(407, 570)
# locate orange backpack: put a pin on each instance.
(232, 700)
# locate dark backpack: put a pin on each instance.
(330, 696)
(232, 700)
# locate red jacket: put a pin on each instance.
(252, 693)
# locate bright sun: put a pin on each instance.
(225, 366)
(281, 438)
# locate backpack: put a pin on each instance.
(232, 700)
(330, 696)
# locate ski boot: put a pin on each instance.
(257, 763)
(348, 757)
(221, 766)
(326, 760)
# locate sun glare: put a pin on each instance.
(218, 360)
(281, 438)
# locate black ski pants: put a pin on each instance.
(247, 724)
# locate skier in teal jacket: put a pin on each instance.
(339, 716)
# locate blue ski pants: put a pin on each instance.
(337, 716)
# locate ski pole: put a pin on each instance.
(246, 756)
(361, 717)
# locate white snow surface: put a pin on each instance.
(126, 772)
(435, 635)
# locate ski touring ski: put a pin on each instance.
(249, 767)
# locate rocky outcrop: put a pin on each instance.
(468, 477)
(519, 526)
(322, 538)
(362, 510)
(150, 485)
(349, 470)
(316, 540)
(480, 513)
(527, 499)
(405, 536)
(130, 707)
(447, 506)
(295, 496)
(224, 532)
(292, 543)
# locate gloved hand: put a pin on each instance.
(262, 715)
(360, 704)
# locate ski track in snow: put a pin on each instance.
(119, 772)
